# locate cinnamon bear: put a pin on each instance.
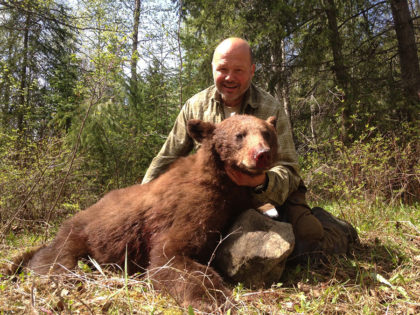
(172, 225)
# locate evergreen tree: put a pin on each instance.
(33, 58)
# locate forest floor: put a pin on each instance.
(382, 277)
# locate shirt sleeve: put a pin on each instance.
(178, 143)
(283, 178)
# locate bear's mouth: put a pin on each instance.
(252, 171)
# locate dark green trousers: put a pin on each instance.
(316, 230)
(297, 212)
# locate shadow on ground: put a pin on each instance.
(368, 259)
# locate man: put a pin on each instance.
(234, 93)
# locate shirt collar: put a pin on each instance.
(250, 97)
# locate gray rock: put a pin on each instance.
(256, 249)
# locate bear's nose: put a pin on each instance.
(262, 158)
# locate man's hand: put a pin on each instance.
(242, 179)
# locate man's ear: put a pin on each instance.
(200, 130)
(272, 121)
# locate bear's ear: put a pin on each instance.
(200, 130)
(272, 121)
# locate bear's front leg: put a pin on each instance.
(187, 281)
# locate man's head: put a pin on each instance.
(233, 70)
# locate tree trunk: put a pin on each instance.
(281, 88)
(6, 88)
(407, 50)
(135, 44)
(178, 33)
(23, 75)
(339, 68)
(284, 86)
(312, 104)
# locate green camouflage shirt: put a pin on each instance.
(207, 106)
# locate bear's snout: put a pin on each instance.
(262, 158)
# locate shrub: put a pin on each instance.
(375, 168)
(31, 176)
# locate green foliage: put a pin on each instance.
(375, 168)
(64, 93)
(38, 73)
(30, 174)
(127, 126)
(117, 148)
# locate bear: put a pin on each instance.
(171, 226)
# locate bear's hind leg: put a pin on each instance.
(61, 255)
(189, 282)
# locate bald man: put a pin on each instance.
(233, 93)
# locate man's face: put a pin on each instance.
(232, 73)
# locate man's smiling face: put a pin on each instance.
(232, 71)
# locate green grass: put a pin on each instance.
(382, 277)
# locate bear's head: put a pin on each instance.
(244, 142)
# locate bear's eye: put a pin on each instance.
(266, 135)
(240, 136)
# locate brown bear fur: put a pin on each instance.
(172, 225)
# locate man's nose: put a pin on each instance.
(229, 76)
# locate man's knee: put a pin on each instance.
(305, 225)
(308, 227)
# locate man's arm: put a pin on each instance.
(178, 143)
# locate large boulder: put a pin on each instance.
(256, 249)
